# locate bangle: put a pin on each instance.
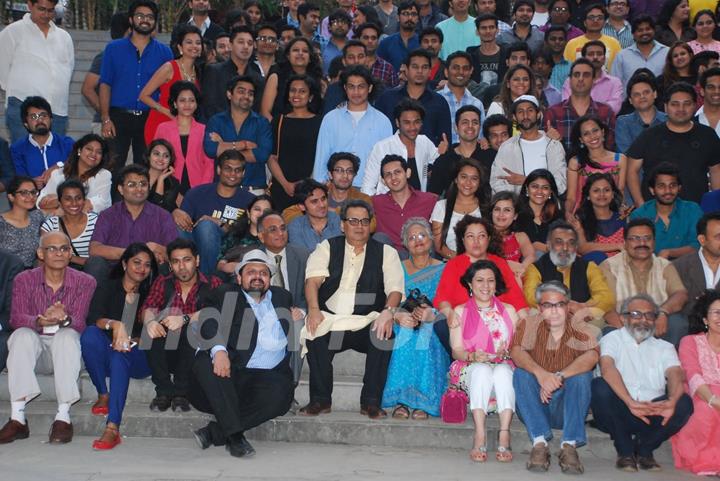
(710, 401)
(106, 121)
(663, 311)
(234, 146)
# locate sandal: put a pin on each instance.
(401, 412)
(103, 444)
(504, 453)
(479, 455)
(419, 415)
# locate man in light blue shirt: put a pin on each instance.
(646, 52)
(319, 222)
(354, 126)
(458, 30)
(396, 47)
(458, 72)
(617, 25)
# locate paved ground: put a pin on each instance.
(145, 459)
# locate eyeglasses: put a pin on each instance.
(338, 22)
(637, 315)
(27, 193)
(142, 16)
(595, 18)
(55, 249)
(546, 306)
(232, 170)
(341, 171)
(560, 9)
(39, 115)
(276, 228)
(420, 237)
(354, 221)
(408, 14)
(639, 238)
(267, 39)
(140, 184)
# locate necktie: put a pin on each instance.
(279, 281)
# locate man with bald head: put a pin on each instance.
(49, 306)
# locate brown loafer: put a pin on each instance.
(648, 463)
(539, 458)
(372, 411)
(315, 408)
(626, 463)
(61, 432)
(14, 430)
(569, 460)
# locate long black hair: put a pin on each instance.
(578, 147)
(586, 211)
(452, 192)
(552, 208)
(132, 250)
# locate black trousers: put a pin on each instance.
(612, 416)
(129, 130)
(322, 350)
(248, 398)
(171, 355)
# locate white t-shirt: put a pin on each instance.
(438, 215)
(534, 153)
(357, 115)
(540, 19)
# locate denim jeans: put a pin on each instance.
(207, 237)
(16, 126)
(566, 410)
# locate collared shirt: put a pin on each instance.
(552, 95)
(329, 52)
(533, 336)
(571, 31)
(283, 271)
(292, 21)
(127, 71)
(34, 64)
(32, 160)
(256, 129)
(204, 26)
(340, 133)
(562, 116)
(155, 299)
(711, 278)
(681, 232)
(271, 343)
(384, 72)
(115, 226)
(535, 39)
(457, 35)
(630, 126)
(454, 104)
(301, 232)
(31, 297)
(702, 118)
(436, 16)
(606, 89)
(630, 59)
(642, 366)
(437, 113)
(624, 35)
(391, 217)
(560, 73)
(393, 49)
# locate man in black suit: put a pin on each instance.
(290, 261)
(243, 367)
(10, 266)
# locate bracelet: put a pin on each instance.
(106, 121)
(710, 401)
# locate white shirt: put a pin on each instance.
(97, 188)
(534, 153)
(642, 366)
(711, 278)
(540, 19)
(702, 118)
(33, 64)
(425, 155)
(205, 25)
(283, 265)
(438, 215)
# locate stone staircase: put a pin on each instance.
(343, 426)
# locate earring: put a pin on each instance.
(706, 326)
(582, 145)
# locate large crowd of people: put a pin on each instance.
(523, 205)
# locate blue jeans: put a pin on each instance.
(207, 237)
(16, 125)
(566, 410)
(102, 361)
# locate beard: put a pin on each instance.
(41, 130)
(640, 333)
(143, 30)
(563, 261)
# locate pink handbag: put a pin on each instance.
(453, 405)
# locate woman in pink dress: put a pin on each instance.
(704, 24)
(696, 447)
(190, 47)
(589, 157)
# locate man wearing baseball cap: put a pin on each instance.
(529, 150)
(242, 367)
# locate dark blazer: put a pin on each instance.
(693, 278)
(10, 266)
(297, 257)
(214, 86)
(243, 328)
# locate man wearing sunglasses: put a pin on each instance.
(353, 287)
(636, 270)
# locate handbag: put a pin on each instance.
(453, 405)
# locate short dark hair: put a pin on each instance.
(365, 26)
(119, 25)
(353, 43)
(133, 169)
(711, 72)
(234, 16)
(641, 78)
(560, 224)
(663, 168)
(390, 158)
(701, 226)
(306, 8)
(494, 246)
(17, 181)
(338, 156)
(181, 243)
(357, 71)
(581, 61)
(306, 187)
(522, 3)
(177, 88)
(458, 54)
(700, 310)
(495, 120)
(265, 215)
(483, 264)
(241, 78)
(484, 18)
(680, 87)
(465, 109)
(339, 14)
(595, 6)
(519, 47)
(72, 183)
(555, 28)
(230, 154)
(408, 105)
(639, 222)
(353, 203)
(641, 19)
(407, 6)
(431, 31)
(264, 26)
(142, 3)
(418, 52)
(34, 101)
(702, 59)
(241, 29)
(592, 43)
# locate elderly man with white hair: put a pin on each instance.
(49, 307)
(243, 366)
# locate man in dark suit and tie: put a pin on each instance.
(700, 270)
(242, 367)
(290, 261)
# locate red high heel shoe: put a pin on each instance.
(100, 445)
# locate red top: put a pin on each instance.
(511, 248)
(451, 290)
(155, 118)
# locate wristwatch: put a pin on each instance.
(560, 375)
(663, 311)
(186, 319)
(392, 310)
(66, 322)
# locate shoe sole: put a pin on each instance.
(16, 438)
(322, 411)
(537, 468)
(200, 442)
